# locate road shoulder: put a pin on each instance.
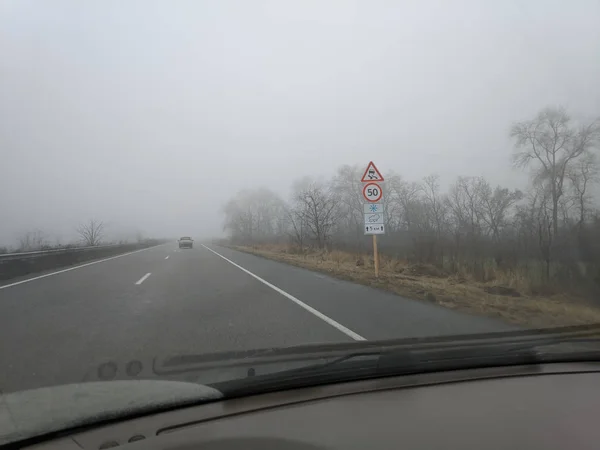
(371, 312)
(451, 292)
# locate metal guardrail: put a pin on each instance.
(14, 265)
(19, 255)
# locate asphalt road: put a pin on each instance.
(56, 328)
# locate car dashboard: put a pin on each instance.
(551, 406)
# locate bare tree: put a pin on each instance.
(435, 203)
(255, 215)
(92, 232)
(407, 195)
(239, 218)
(298, 227)
(582, 174)
(317, 206)
(543, 210)
(32, 240)
(429, 216)
(496, 206)
(347, 188)
(464, 200)
(552, 144)
(393, 210)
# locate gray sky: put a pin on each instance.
(149, 114)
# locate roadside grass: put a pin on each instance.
(427, 283)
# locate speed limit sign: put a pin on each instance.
(372, 192)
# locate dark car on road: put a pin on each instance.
(186, 242)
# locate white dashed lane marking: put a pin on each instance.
(141, 280)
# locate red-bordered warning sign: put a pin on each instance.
(371, 174)
(372, 192)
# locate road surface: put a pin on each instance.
(164, 301)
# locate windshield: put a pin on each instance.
(352, 172)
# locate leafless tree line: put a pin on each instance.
(553, 227)
(90, 233)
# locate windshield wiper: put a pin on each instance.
(383, 362)
(178, 364)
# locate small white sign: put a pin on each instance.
(374, 219)
(374, 229)
(370, 208)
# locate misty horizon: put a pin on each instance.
(150, 116)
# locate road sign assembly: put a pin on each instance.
(373, 211)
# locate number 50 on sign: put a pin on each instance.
(372, 192)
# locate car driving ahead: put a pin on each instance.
(186, 242)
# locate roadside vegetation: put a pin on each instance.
(531, 257)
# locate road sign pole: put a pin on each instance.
(375, 256)
(373, 210)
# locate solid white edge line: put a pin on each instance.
(141, 280)
(76, 267)
(310, 309)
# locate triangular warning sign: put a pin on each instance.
(371, 174)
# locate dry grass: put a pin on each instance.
(426, 283)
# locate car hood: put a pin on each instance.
(36, 412)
